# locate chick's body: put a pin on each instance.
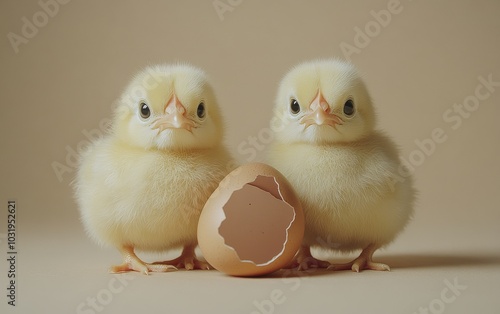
(350, 200)
(143, 186)
(148, 199)
(344, 171)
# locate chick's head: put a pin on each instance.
(323, 102)
(169, 107)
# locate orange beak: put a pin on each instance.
(319, 114)
(175, 117)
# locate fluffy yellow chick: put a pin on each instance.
(143, 186)
(344, 171)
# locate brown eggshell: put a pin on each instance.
(253, 223)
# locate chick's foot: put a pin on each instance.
(363, 261)
(304, 260)
(133, 263)
(187, 260)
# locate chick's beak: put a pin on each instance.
(175, 117)
(319, 114)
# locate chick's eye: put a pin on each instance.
(349, 108)
(145, 111)
(200, 111)
(294, 106)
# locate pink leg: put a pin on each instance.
(187, 260)
(363, 261)
(133, 263)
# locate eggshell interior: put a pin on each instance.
(252, 224)
(244, 226)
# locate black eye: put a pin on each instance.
(294, 106)
(349, 108)
(145, 112)
(200, 112)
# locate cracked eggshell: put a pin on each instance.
(253, 223)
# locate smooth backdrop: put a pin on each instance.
(426, 63)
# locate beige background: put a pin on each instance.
(63, 82)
